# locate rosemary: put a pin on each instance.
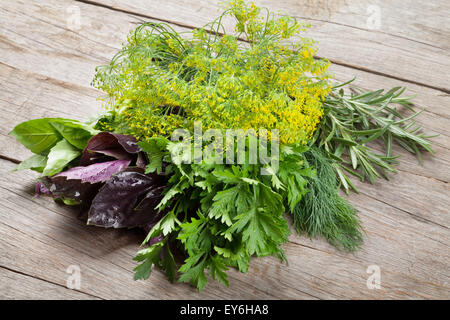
(353, 120)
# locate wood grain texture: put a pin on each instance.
(47, 72)
(42, 239)
(17, 286)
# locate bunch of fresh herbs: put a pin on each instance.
(207, 216)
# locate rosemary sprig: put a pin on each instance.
(353, 120)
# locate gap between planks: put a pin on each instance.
(362, 29)
(49, 282)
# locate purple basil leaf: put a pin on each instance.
(82, 183)
(109, 145)
(129, 143)
(152, 198)
(75, 189)
(116, 202)
(41, 189)
(141, 160)
(97, 172)
(90, 157)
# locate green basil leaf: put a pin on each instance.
(75, 132)
(60, 155)
(37, 135)
(36, 162)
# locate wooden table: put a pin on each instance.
(47, 61)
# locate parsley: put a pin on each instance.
(221, 215)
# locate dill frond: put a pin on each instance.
(323, 212)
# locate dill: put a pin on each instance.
(323, 212)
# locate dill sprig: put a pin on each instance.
(323, 212)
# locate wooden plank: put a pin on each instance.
(408, 243)
(18, 286)
(89, 39)
(52, 49)
(419, 22)
(352, 13)
(418, 55)
(26, 96)
(42, 239)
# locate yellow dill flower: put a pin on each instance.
(163, 81)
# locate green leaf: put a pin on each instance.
(143, 270)
(168, 263)
(292, 173)
(155, 149)
(75, 132)
(238, 256)
(243, 264)
(164, 226)
(224, 204)
(343, 84)
(345, 141)
(227, 235)
(172, 192)
(217, 269)
(224, 252)
(59, 156)
(168, 224)
(250, 181)
(150, 256)
(226, 176)
(196, 235)
(276, 183)
(351, 122)
(262, 231)
(295, 191)
(353, 157)
(36, 162)
(70, 202)
(38, 135)
(194, 271)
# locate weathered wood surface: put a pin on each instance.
(46, 68)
